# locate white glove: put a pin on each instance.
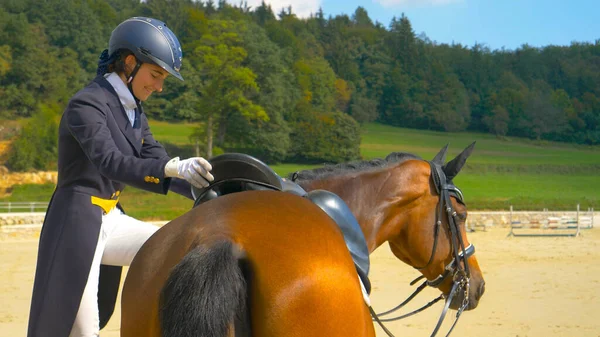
(194, 170)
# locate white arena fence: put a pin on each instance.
(550, 223)
(26, 206)
(521, 223)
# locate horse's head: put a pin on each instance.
(427, 230)
(413, 205)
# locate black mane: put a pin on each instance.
(345, 168)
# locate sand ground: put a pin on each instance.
(546, 287)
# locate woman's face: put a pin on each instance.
(149, 78)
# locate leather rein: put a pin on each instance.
(460, 275)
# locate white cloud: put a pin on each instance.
(302, 8)
(395, 3)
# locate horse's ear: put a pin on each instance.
(453, 167)
(440, 158)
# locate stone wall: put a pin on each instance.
(475, 219)
(8, 179)
(10, 219)
(35, 219)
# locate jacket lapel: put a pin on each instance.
(120, 115)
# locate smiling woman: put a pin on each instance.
(105, 144)
(150, 78)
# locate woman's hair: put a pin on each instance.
(118, 65)
(113, 63)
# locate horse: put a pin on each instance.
(269, 263)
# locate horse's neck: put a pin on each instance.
(362, 194)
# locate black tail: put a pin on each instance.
(204, 293)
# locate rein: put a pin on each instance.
(460, 276)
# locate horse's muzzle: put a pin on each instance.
(475, 293)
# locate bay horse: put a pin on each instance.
(268, 263)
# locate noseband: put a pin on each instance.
(460, 274)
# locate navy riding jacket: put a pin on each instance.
(99, 153)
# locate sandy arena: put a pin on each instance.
(542, 287)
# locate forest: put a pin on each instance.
(290, 89)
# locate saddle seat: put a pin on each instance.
(238, 172)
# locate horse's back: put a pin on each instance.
(302, 279)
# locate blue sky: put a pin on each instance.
(495, 23)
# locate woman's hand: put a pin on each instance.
(195, 170)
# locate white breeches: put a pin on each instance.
(120, 238)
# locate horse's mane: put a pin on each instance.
(345, 168)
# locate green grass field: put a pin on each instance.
(526, 174)
(174, 133)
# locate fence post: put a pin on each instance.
(9, 207)
(578, 224)
(510, 221)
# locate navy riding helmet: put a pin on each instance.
(151, 41)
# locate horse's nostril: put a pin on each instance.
(481, 289)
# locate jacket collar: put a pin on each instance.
(125, 96)
(112, 99)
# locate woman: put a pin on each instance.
(104, 144)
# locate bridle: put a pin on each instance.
(460, 275)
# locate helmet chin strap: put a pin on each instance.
(138, 64)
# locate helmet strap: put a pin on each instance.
(138, 64)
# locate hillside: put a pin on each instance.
(500, 173)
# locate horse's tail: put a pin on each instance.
(204, 292)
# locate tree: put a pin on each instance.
(342, 95)
(325, 137)
(512, 95)
(317, 82)
(403, 44)
(398, 105)
(341, 49)
(5, 60)
(362, 108)
(374, 67)
(278, 95)
(497, 121)
(263, 13)
(226, 84)
(74, 25)
(36, 147)
(361, 18)
(541, 117)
